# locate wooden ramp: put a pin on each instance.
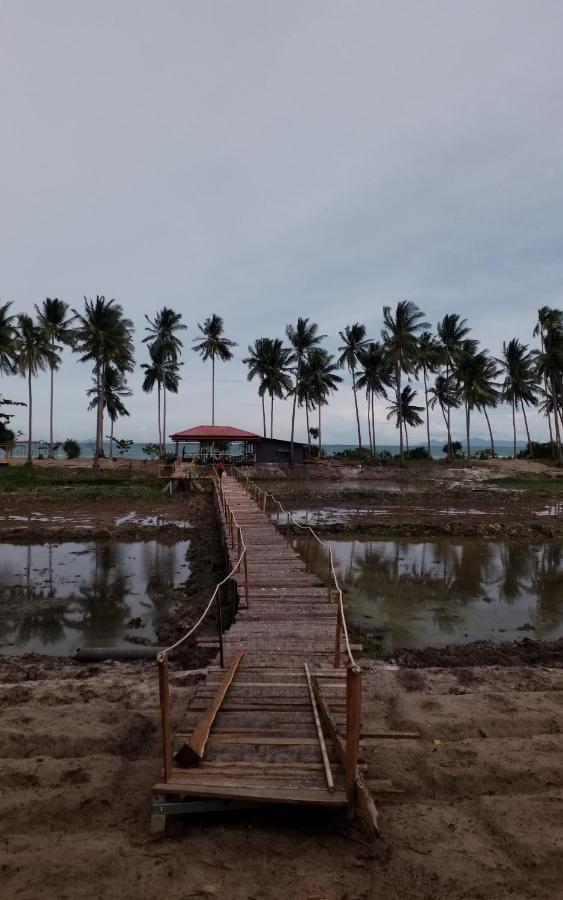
(277, 719)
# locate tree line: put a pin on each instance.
(455, 372)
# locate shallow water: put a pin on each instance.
(287, 487)
(55, 597)
(434, 593)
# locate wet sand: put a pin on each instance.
(477, 813)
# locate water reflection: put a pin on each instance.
(56, 597)
(444, 591)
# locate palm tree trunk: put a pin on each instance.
(213, 389)
(271, 415)
(547, 412)
(111, 439)
(51, 453)
(159, 423)
(400, 414)
(530, 448)
(556, 420)
(514, 428)
(373, 423)
(99, 414)
(264, 414)
(407, 439)
(490, 431)
(448, 422)
(467, 415)
(356, 405)
(370, 435)
(297, 374)
(307, 420)
(427, 410)
(163, 418)
(30, 418)
(320, 437)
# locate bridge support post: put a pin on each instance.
(353, 725)
(337, 639)
(164, 694)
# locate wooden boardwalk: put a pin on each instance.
(277, 719)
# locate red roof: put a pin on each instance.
(214, 433)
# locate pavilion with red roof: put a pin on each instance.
(223, 443)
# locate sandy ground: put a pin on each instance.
(478, 813)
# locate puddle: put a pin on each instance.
(55, 597)
(132, 518)
(442, 592)
(288, 488)
(553, 510)
(342, 515)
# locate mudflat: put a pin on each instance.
(477, 811)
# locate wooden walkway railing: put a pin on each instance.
(278, 718)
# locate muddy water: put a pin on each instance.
(56, 597)
(433, 593)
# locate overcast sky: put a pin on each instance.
(265, 160)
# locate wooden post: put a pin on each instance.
(239, 546)
(164, 694)
(329, 579)
(278, 518)
(220, 628)
(265, 503)
(353, 725)
(232, 529)
(308, 541)
(337, 639)
(287, 528)
(246, 591)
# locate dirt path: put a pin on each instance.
(479, 814)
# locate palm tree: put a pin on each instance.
(490, 395)
(116, 389)
(257, 362)
(303, 337)
(53, 318)
(322, 380)
(7, 340)
(400, 338)
(475, 373)
(165, 349)
(33, 354)
(213, 344)
(520, 381)
(548, 319)
(375, 377)
(354, 340)
(444, 393)
(452, 331)
(428, 359)
(276, 379)
(166, 377)
(105, 337)
(550, 367)
(405, 412)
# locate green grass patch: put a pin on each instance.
(87, 484)
(535, 484)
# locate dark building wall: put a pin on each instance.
(271, 450)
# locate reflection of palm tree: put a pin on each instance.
(547, 583)
(516, 561)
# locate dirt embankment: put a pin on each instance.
(477, 813)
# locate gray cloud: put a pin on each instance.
(265, 160)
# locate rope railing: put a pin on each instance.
(231, 526)
(341, 627)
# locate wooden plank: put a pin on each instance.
(320, 735)
(192, 751)
(246, 792)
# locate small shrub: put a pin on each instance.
(71, 448)
(418, 453)
(151, 450)
(456, 449)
